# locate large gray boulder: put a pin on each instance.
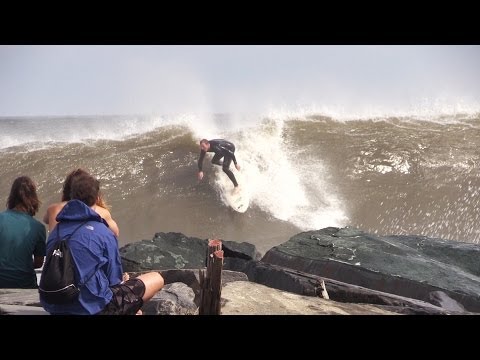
(248, 298)
(177, 251)
(410, 266)
(173, 299)
(302, 283)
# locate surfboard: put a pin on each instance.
(238, 200)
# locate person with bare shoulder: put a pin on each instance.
(22, 238)
(100, 206)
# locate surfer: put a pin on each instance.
(222, 149)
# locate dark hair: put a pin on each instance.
(68, 183)
(85, 188)
(23, 196)
(204, 141)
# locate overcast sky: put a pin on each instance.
(89, 80)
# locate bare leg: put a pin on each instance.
(153, 283)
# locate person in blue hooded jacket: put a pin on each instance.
(94, 249)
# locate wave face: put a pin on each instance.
(304, 171)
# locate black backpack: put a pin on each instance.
(57, 282)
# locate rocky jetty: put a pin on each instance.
(327, 271)
(406, 274)
(437, 271)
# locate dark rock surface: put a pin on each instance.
(301, 283)
(177, 251)
(441, 299)
(409, 266)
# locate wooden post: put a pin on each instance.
(211, 283)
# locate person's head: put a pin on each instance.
(85, 188)
(68, 183)
(23, 196)
(204, 144)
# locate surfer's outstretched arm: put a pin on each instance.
(200, 160)
(200, 163)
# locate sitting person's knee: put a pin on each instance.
(152, 280)
(160, 280)
(157, 280)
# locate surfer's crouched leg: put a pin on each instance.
(217, 159)
(229, 173)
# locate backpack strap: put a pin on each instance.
(68, 238)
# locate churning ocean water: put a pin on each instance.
(415, 173)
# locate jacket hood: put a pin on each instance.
(76, 210)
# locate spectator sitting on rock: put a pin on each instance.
(95, 251)
(22, 238)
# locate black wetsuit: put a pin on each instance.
(221, 148)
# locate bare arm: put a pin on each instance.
(112, 224)
(200, 160)
(107, 216)
(50, 216)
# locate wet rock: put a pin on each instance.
(177, 251)
(409, 266)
